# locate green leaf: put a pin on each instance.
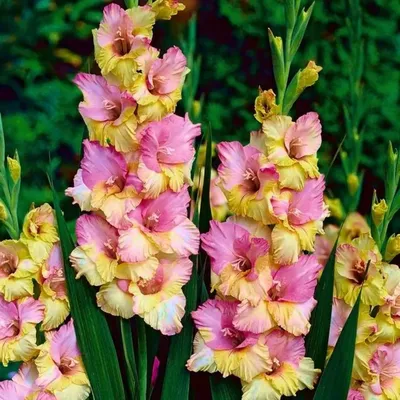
(92, 332)
(292, 93)
(129, 357)
(317, 338)
(142, 357)
(177, 377)
(2, 145)
(341, 361)
(299, 30)
(225, 388)
(153, 341)
(278, 63)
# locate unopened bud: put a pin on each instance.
(308, 76)
(15, 169)
(265, 105)
(378, 212)
(353, 183)
(196, 107)
(335, 207)
(3, 212)
(392, 247)
(165, 9)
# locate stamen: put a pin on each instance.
(249, 174)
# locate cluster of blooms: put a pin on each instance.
(263, 279)
(135, 241)
(376, 371)
(51, 370)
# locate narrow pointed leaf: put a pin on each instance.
(278, 63)
(341, 361)
(225, 388)
(142, 360)
(92, 332)
(299, 30)
(129, 357)
(317, 338)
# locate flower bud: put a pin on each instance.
(308, 76)
(353, 183)
(15, 169)
(165, 9)
(265, 105)
(392, 247)
(378, 212)
(335, 207)
(196, 107)
(3, 212)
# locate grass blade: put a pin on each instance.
(129, 357)
(92, 332)
(341, 361)
(142, 358)
(225, 388)
(317, 338)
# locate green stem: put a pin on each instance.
(129, 357)
(142, 358)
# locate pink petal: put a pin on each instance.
(298, 281)
(30, 310)
(304, 137)
(166, 74)
(340, 313)
(79, 192)
(154, 371)
(91, 228)
(355, 395)
(285, 347)
(308, 205)
(233, 163)
(10, 390)
(166, 211)
(218, 243)
(216, 316)
(102, 164)
(63, 343)
(8, 314)
(114, 19)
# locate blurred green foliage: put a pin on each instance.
(236, 59)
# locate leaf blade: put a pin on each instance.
(93, 335)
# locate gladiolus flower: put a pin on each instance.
(23, 386)
(351, 272)
(219, 346)
(240, 260)
(291, 371)
(393, 247)
(340, 312)
(165, 9)
(95, 257)
(265, 105)
(160, 300)
(166, 154)
(353, 227)
(60, 365)
(388, 317)
(380, 370)
(292, 147)
(39, 232)
(111, 180)
(121, 37)
(300, 215)
(108, 112)
(324, 243)
(54, 292)
(159, 225)
(18, 321)
(290, 300)
(248, 181)
(158, 88)
(17, 270)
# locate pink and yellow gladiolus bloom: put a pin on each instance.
(122, 36)
(290, 372)
(17, 270)
(300, 216)
(109, 113)
(53, 290)
(18, 321)
(292, 147)
(219, 346)
(166, 154)
(60, 366)
(248, 181)
(159, 225)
